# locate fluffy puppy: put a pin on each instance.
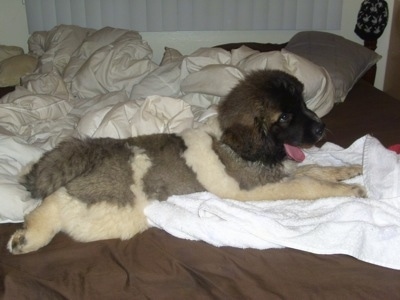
(96, 189)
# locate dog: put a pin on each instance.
(95, 189)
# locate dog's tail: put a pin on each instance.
(71, 158)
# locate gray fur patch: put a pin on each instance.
(76, 160)
(96, 170)
(169, 175)
(106, 179)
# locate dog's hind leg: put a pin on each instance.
(41, 225)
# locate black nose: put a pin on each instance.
(319, 129)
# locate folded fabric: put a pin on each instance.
(367, 229)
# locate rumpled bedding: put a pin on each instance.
(103, 83)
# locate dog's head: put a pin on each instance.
(264, 114)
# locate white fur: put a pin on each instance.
(100, 221)
(209, 169)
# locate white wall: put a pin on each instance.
(14, 31)
(13, 24)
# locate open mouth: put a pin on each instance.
(294, 153)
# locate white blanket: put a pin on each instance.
(368, 229)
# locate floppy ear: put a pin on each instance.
(297, 87)
(243, 140)
(289, 83)
(252, 143)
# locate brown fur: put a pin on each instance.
(97, 188)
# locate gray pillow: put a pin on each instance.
(345, 61)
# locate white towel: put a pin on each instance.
(368, 229)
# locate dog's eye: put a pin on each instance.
(285, 118)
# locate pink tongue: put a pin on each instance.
(294, 153)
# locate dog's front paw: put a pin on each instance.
(355, 170)
(17, 242)
(348, 172)
(358, 191)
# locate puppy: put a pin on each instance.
(96, 189)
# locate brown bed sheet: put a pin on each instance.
(156, 265)
(366, 110)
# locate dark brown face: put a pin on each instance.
(295, 124)
(264, 112)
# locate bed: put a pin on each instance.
(69, 94)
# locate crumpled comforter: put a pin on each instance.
(103, 83)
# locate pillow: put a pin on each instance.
(216, 79)
(13, 68)
(207, 74)
(213, 79)
(345, 61)
(9, 51)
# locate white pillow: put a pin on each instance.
(218, 79)
(207, 74)
(212, 79)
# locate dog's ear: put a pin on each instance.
(252, 143)
(289, 83)
(241, 140)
